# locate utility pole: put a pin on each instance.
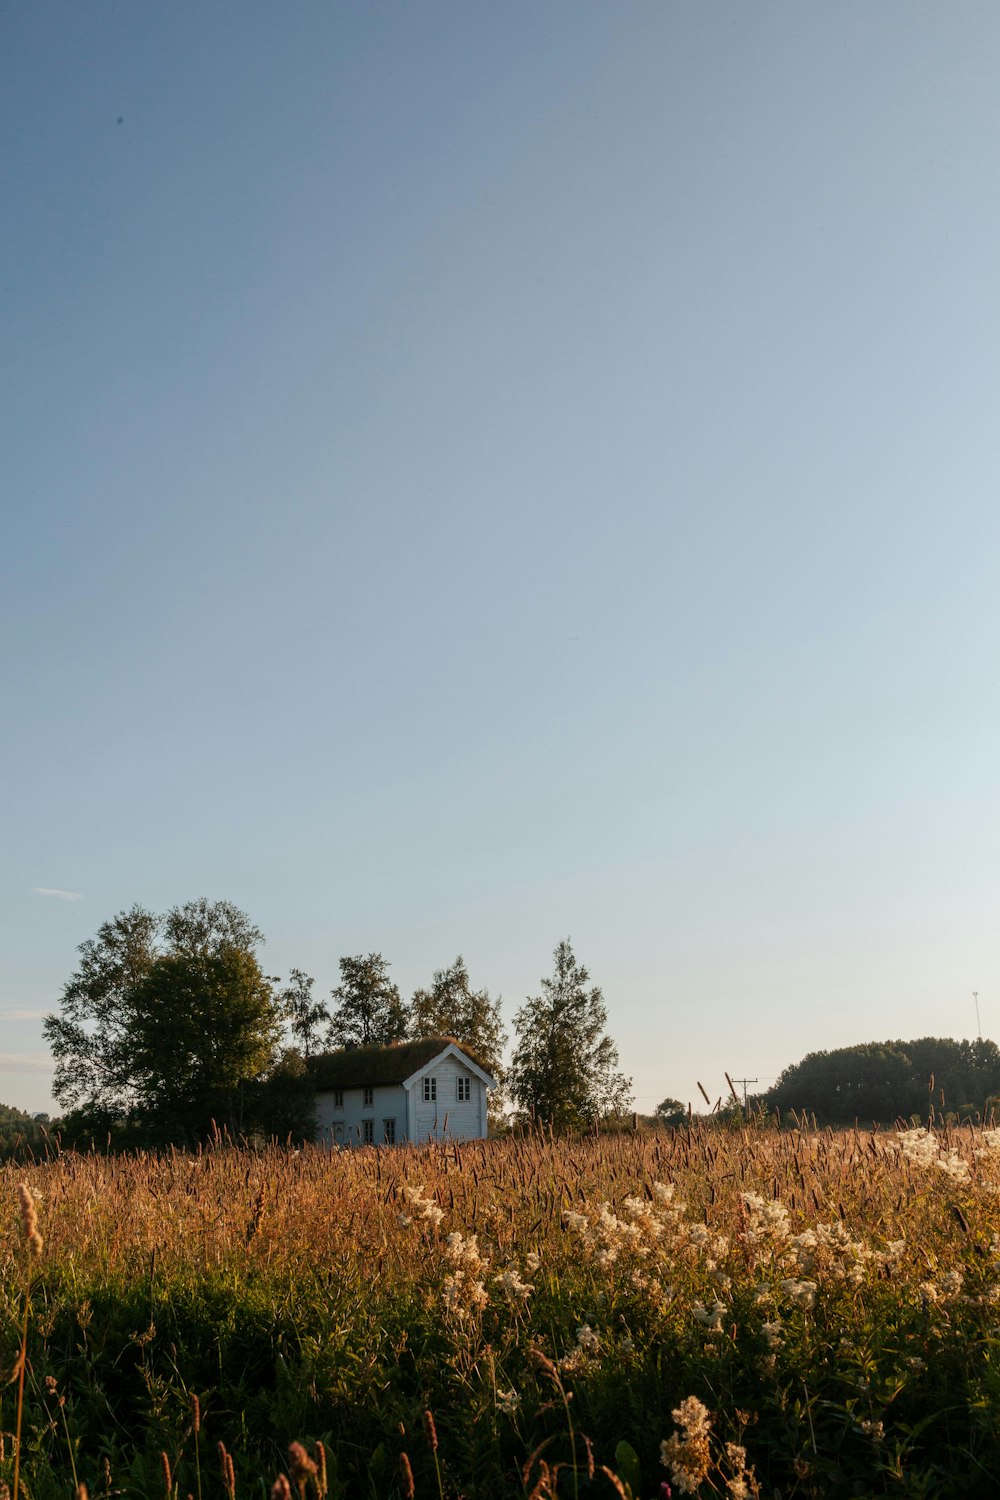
(744, 1082)
(975, 996)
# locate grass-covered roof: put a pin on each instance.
(366, 1067)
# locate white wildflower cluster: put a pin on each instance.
(508, 1402)
(586, 1351)
(513, 1288)
(711, 1317)
(801, 1293)
(989, 1144)
(820, 1252)
(463, 1291)
(462, 1250)
(687, 1454)
(423, 1208)
(768, 1220)
(773, 1333)
(462, 1294)
(829, 1251)
(924, 1148)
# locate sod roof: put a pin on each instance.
(364, 1067)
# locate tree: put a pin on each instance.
(205, 1024)
(369, 1011)
(672, 1112)
(451, 1007)
(304, 1014)
(564, 1069)
(166, 1019)
(91, 1040)
(886, 1081)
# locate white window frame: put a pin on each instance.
(338, 1098)
(430, 1090)
(368, 1132)
(464, 1089)
(389, 1132)
(368, 1098)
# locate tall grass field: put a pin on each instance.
(697, 1312)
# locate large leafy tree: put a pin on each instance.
(565, 1067)
(166, 1019)
(368, 1008)
(451, 1007)
(92, 1038)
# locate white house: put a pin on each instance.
(412, 1091)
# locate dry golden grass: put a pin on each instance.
(810, 1353)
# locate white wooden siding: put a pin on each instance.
(344, 1127)
(461, 1120)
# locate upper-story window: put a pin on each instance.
(369, 1098)
(464, 1089)
(338, 1098)
(430, 1089)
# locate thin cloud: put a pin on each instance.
(23, 1015)
(48, 890)
(26, 1062)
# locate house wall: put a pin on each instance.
(447, 1116)
(343, 1127)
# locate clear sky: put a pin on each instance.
(480, 473)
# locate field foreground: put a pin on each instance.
(722, 1312)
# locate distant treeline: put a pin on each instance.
(20, 1133)
(885, 1081)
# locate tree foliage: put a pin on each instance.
(369, 1009)
(451, 1007)
(672, 1112)
(165, 1021)
(885, 1081)
(304, 1015)
(564, 1068)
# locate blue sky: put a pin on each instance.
(478, 474)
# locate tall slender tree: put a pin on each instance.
(368, 1010)
(305, 1015)
(565, 1067)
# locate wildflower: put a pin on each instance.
(951, 1283)
(687, 1456)
(954, 1166)
(802, 1293)
(874, 1430)
(532, 1260)
(928, 1291)
(773, 1333)
(508, 1402)
(587, 1339)
(990, 1143)
(919, 1146)
(709, 1317)
(514, 1289)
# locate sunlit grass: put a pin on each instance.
(831, 1300)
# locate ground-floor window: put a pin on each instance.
(368, 1131)
(464, 1089)
(389, 1129)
